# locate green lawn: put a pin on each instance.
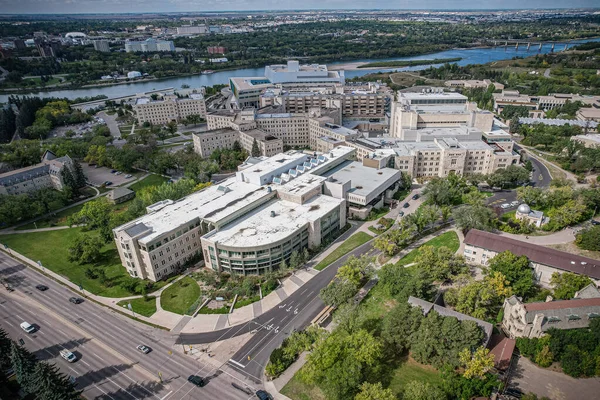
(508, 216)
(51, 248)
(58, 219)
(180, 296)
(377, 213)
(448, 239)
(350, 244)
(401, 194)
(140, 306)
(298, 390)
(151, 180)
(410, 370)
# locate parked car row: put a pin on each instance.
(510, 205)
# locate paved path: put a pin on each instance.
(567, 235)
(111, 123)
(52, 228)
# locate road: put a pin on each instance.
(295, 312)
(106, 342)
(538, 169)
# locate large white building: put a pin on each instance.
(47, 174)
(169, 108)
(537, 105)
(149, 45)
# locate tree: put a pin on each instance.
(23, 363)
(516, 270)
(567, 283)
(356, 269)
(439, 264)
(444, 191)
(374, 391)
(51, 384)
(237, 147)
(417, 390)
(476, 364)
(481, 299)
(589, 239)
(530, 195)
(96, 215)
(86, 249)
(338, 292)
(569, 213)
(5, 345)
(7, 125)
(514, 125)
(255, 152)
(339, 362)
(474, 217)
(398, 326)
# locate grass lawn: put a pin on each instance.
(140, 306)
(508, 216)
(298, 390)
(180, 296)
(151, 180)
(401, 194)
(448, 239)
(410, 370)
(377, 213)
(51, 248)
(350, 244)
(58, 219)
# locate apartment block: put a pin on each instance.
(539, 104)
(149, 45)
(101, 45)
(169, 108)
(205, 143)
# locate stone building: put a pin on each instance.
(47, 174)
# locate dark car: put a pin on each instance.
(594, 222)
(416, 196)
(262, 395)
(406, 205)
(113, 171)
(41, 287)
(107, 183)
(76, 300)
(196, 380)
(401, 214)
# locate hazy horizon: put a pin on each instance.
(33, 7)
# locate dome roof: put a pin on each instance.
(524, 209)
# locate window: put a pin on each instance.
(552, 320)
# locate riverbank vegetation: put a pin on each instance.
(409, 63)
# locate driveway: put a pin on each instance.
(528, 377)
(111, 122)
(96, 176)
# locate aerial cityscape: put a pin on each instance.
(318, 201)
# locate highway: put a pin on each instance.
(110, 366)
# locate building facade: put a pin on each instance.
(47, 174)
(101, 45)
(169, 108)
(149, 45)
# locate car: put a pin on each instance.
(67, 355)
(76, 300)
(406, 205)
(41, 287)
(27, 327)
(118, 173)
(96, 166)
(515, 203)
(113, 171)
(107, 183)
(416, 196)
(128, 176)
(401, 214)
(505, 205)
(196, 380)
(144, 349)
(594, 222)
(262, 395)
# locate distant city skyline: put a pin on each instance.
(158, 6)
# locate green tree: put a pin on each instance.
(398, 326)
(23, 363)
(51, 384)
(356, 269)
(255, 152)
(417, 390)
(589, 239)
(96, 215)
(439, 264)
(86, 249)
(516, 270)
(5, 362)
(338, 292)
(474, 217)
(374, 391)
(530, 195)
(567, 283)
(481, 299)
(477, 363)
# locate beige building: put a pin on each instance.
(539, 104)
(169, 108)
(532, 320)
(47, 174)
(589, 140)
(473, 83)
(481, 246)
(588, 114)
(435, 109)
(207, 142)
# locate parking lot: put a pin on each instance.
(97, 176)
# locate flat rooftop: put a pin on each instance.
(432, 95)
(365, 180)
(255, 82)
(211, 204)
(259, 227)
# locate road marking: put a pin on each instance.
(41, 333)
(85, 363)
(126, 391)
(236, 363)
(166, 395)
(62, 332)
(98, 356)
(98, 387)
(2, 305)
(9, 324)
(18, 316)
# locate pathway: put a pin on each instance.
(567, 235)
(52, 228)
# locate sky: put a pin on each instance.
(137, 6)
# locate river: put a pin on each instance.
(469, 56)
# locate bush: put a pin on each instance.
(282, 357)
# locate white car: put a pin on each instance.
(27, 327)
(515, 203)
(505, 205)
(144, 349)
(67, 355)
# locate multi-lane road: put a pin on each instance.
(109, 365)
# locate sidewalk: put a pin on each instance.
(567, 235)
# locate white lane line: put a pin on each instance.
(236, 363)
(85, 363)
(126, 391)
(98, 356)
(62, 332)
(166, 395)
(141, 387)
(2, 305)
(100, 389)
(18, 316)
(9, 323)
(41, 333)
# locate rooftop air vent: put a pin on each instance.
(273, 214)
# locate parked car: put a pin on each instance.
(196, 380)
(107, 183)
(416, 196)
(118, 173)
(144, 349)
(67, 355)
(41, 287)
(262, 395)
(128, 176)
(401, 214)
(594, 222)
(515, 203)
(27, 327)
(113, 171)
(406, 205)
(505, 205)
(76, 300)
